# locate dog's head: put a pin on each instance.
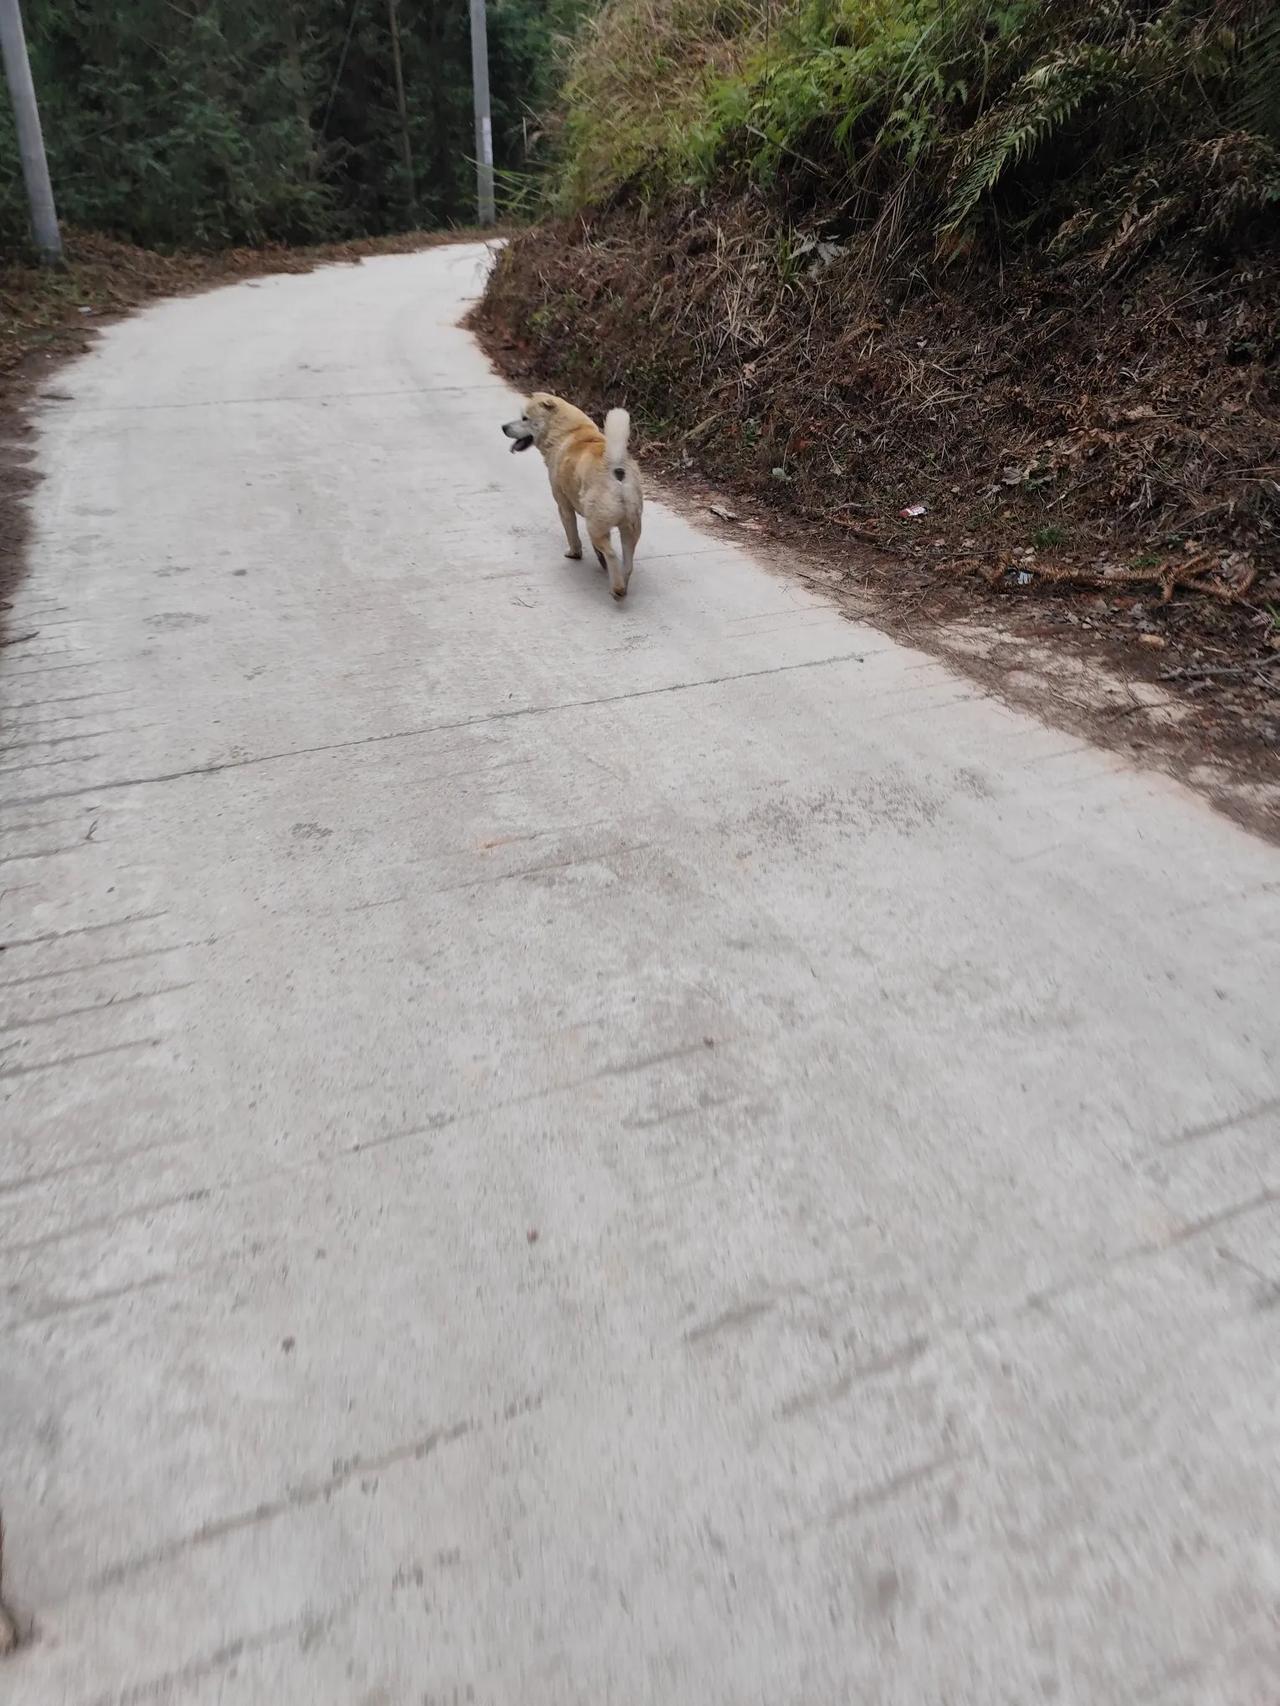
(534, 424)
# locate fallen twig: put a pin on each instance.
(859, 529)
(1265, 661)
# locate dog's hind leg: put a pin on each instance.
(569, 518)
(604, 550)
(629, 533)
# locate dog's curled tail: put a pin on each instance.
(617, 432)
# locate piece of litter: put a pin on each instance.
(86, 310)
(1157, 641)
(1023, 577)
(914, 510)
(723, 513)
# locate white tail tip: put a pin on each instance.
(617, 435)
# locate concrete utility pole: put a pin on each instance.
(26, 116)
(484, 123)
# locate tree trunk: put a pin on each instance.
(298, 83)
(406, 151)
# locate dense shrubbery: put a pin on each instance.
(1102, 125)
(239, 121)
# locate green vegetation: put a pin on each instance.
(201, 123)
(1098, 125)
(1103, 125)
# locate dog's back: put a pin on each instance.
(594, 469)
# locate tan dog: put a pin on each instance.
(591, 476)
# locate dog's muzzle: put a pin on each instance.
(519, 432)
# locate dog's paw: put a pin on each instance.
(619, 592)
(574, 556)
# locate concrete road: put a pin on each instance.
(568, 1153)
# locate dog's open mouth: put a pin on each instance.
(519, 434)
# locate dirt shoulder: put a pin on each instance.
(1071, 502)
(1054, 659)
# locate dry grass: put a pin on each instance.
(1129, 415)
(638, 79)
(1108, 450)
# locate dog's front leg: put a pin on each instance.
(569, 516)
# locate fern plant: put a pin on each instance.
(1038, 107)
(1141, 80)
(1256, 109)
